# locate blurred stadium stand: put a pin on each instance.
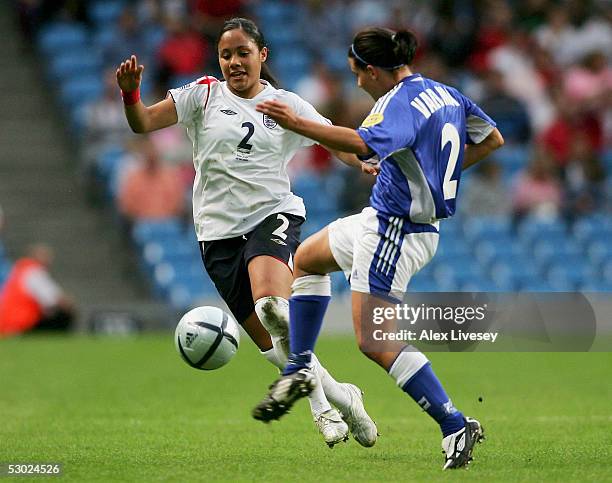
(499, 252)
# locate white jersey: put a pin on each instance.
(240, 156)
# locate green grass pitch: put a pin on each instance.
(131, 410)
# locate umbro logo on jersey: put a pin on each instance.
(269, 122)
(229, 112)
(276, 240)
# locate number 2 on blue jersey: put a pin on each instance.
(450, 135)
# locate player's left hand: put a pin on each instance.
(280, 112)
(368, 168)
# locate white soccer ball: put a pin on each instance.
(207, 338)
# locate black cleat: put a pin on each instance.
(458, 447)
(283, 394)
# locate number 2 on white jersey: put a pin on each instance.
(450, 135)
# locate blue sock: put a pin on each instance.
(306, 314)
(425, 388)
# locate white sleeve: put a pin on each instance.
(304, 109)
(190, 99)
(41, 286)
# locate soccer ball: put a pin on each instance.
(207, 338)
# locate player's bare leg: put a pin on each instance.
(270, 286)
(314, 257)
(412, 372)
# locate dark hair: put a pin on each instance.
(383, 48)
(249, 27)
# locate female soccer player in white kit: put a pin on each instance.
(247, 220)
(418, 129)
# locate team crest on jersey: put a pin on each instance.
(373, 120)
(269, 122)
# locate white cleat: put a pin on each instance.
(359, 422)
(332, 427)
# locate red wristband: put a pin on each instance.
(131, 98)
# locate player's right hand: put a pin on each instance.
(129, 74)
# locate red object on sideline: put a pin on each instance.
(19, 311)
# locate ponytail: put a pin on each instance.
(404, 46)
(383, 48)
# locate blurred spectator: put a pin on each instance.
(453, 34)
(558, 135)
(332, 27)
(509, 113)
(521, 78)
(128, 38)
(150, 190)
(34, 14)
(494, 32)
(584, 179)
(485, 192)
(209, 15)
(537, 191)
(104, 121)
(556, 35)
(432, 65)
(317, 88)
(182, 55)
(31, 300)
(591, 31)
(365, 13)
(530, 14)
(590, 82)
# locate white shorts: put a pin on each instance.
(379, 254)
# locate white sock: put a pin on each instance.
(407, 364)
(278, 354)
(335, 392)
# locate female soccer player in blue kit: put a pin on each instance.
(424, 133)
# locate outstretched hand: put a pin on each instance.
(280, 112)
(129, 74)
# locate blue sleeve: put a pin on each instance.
(478, 124)
(389, 127)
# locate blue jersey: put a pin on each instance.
(418, 131)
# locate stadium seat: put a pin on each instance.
(574, 276)
(81, 90)
(423, 284)
(547, 252)
(489, 251)
(74, 63)
(103, 13)
(62, 36)
(531, 229)
(144, 231)
(485, 227)
(599, 250)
